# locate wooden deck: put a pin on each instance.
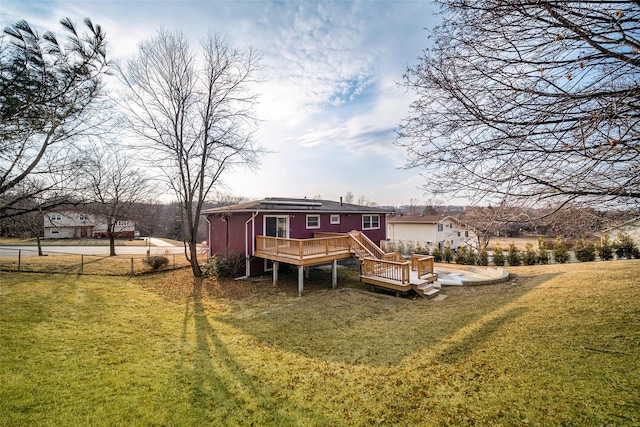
(416, 274)
(304, 252)
(379, 269)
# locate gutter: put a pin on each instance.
(246, 242)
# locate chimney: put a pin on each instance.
(340, 200)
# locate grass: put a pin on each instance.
(558, 345)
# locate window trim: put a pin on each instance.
(312, 216)
(335, 219)
(371, 226)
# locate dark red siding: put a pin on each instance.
(227, 233)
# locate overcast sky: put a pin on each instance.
(329, 102)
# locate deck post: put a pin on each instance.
(300, 279)
(276, 266)
(334, 273)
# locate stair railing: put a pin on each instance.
(366, 245)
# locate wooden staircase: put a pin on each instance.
(391, 270)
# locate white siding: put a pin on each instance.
(428, 234)
(410, 232)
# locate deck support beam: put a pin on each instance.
(334, 273)
(276, 267)
(300, 280)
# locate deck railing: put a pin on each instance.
(366, 245)
(392, 270)
(302, 248)
(423, 264)
(394, 256)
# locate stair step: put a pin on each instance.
(431, 291)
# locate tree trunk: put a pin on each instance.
(193, 258)
(112, 244)
(39, 245)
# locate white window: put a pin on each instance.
(56, 217)
(122, 223)
(440, 227)
(335, 219)
(55, 231)
(83, 217)
(313, 221)
(370, 222)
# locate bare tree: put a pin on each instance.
(195, 114)
(48, 97)
(348, 198)
(493, 221)
(115, 186)
(534, 100)
(27, 225)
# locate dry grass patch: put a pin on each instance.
(558, 345)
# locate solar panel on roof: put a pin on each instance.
(290, 203)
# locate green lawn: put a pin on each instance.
(558, 345)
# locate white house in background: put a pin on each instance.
(70, 224)
(631, 227)
(430, 230)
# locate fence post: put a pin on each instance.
(132, 266)
(82, 264)
(174, 261)
(19, 258)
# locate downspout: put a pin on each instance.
(246, 242)
(208, 235)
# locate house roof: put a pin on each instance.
(419, 219)
(284, 204)
(425, 219)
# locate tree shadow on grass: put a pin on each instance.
(359, 327)
(470, 343)
(221, 390)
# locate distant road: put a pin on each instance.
(90, 250)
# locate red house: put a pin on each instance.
(300, 232)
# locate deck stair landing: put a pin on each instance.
(391, 270)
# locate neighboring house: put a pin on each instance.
(70, 224)
(631, 227)
(429, 230)
(241, 228)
